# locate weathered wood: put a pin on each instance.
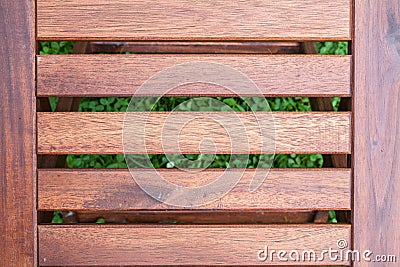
(283, 189)
(184, 244)
(188, 20)
(144, 47)
(122, 75)
(101, 132)
(376, 106)
(17, 131)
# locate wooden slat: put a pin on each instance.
(18, 138)
(101, 132)
(376, 105)
(116, 189)
(180, 245)
(122, 75)
(193, 20)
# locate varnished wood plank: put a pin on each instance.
(17, 131)
(193, 20)
(102, 132)
(122, 75)
(190, 47)
(376, 108)
(116, 189)
(184, 244)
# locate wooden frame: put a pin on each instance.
(18, 134)
(376, 109)
(376, 130)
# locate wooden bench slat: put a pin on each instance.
(283, 189)
(122, 75)
(102, 132)
(193, 20)
(183, 244)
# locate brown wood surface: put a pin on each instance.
(184, 244)
(143, 47)
(193, 20)
(122, 75)
(101, 132)
(376, 108)
(283, 189)
(17, 131)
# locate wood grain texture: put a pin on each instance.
(185, 244)
(122, 75)
(193, 20)
(190, 47)
(193, 133)
(117, 190)
(376, 108)
(17, 131)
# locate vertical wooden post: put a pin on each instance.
(376, 109)
(17, 128)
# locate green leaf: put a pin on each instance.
(100, 220)
(57, 218)
(103, 101)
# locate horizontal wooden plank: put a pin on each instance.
(122, 75)
(193, 132)
(283, 189)
(186, 244)
(191, 47)
(193, 20)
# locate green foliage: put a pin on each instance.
(57, 217)
(100, 220)
(333, 48)
(332, 217)
(298, 161)
(289, 104)
(193, 161)
(96, 161)
(105, 104)
(55, 48)
(335, 103)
